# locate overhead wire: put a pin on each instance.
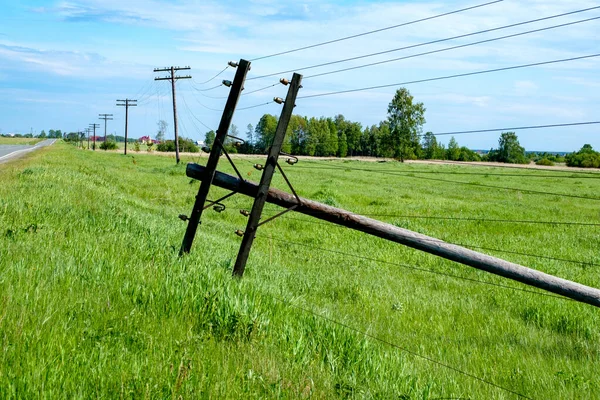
(375, 31)
(261, 89)
(255, 106)
(473, 219)
(214, 77)
(193, 115)
(437, 41)
(409, 175)
(518, 128)
(449, 48)
(584, 263)
(415, 268)
(398, 347)
(204, 105)
(451, 76)
(210, 88)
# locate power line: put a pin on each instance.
(375, 31)
(472, 219)
(404, 349)
(451, 48)
(582, 174)
(514, 128)
(406, 266)
(586, 175)
(214, 77)
(451, 76)
(192, 114)
(214, 87)
(255, 106)
(433, 42)
(474, 246)
(518, 128)
(261, 89)
(203, 105)
(408, 175)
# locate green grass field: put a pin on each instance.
(12, 140)
(95, 302)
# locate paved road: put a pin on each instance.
(11, 151)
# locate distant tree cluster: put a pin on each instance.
(399, 136)
(509, 150)
(185, 145)
(584, 158)
(52, 134)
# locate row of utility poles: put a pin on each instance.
(133, 103)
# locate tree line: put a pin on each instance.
(399, 136)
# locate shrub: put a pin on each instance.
(185, 145)
(167, 145)
(108, 145)
(584, 158)
(545, 161)
(136, 146)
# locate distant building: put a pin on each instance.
(146, 139)
(200, 142)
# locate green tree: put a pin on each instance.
(584, 158)
(42, 134)
(430, 146)
(297, 132)
(265, 132)
(209, 138)
(406, 118)
(453, 152)
(509, 149)
(248, 147)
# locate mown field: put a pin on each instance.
(11, 140)
(95, 302)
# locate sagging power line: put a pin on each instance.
(375, 31)
(487, 71)
(436, 42)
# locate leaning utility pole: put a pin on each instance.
(268, 171)
(173, 78)
(528, 276)
(126, 103)
(235, 91)
(94, 126)
(105, 117)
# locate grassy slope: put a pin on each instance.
(10, 140)
(94, 300)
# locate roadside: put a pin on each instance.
(10, 152)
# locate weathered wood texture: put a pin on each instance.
(528, 276)
(215, 153)
(267, 176)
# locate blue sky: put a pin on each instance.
(64, 62)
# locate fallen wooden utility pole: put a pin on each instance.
(528, 276)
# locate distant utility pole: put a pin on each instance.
(87, 131)
(126, 103)
(173, 78)
(105, 117)
(94, 126)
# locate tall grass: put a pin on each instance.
(95, 302)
